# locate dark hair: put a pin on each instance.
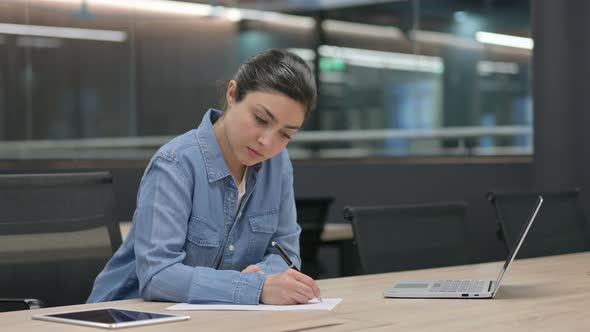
(277, 70)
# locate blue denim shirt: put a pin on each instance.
(189, 241)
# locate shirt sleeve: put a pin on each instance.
(287, 234)
(163, 209)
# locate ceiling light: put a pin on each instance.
(380, 59)
(62, 32)
(362, 29)
(496, 67)
(504, 40)
(157, 6)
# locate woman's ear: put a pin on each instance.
(230, 95)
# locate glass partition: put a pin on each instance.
(106, 79)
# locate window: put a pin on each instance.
(97, 79)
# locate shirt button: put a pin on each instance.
(231, 247)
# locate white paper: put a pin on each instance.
(313, 305)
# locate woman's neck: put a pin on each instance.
(235, 167)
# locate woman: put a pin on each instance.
(212, 200)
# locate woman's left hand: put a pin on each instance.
(252, 268)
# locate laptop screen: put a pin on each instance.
(521, 237)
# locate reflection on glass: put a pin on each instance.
(102, 79)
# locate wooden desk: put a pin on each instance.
(540, 294)
(337, 232)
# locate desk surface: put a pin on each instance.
(540, 294)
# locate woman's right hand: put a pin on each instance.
(289, 287)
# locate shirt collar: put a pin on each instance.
(212, 155)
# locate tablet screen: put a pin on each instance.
(110, 317)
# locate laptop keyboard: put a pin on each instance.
(461, 286)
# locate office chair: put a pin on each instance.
(560, 226)
(311, 216)
(407, 237)
(57, 231)
(19, 304)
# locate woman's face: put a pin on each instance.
(261, 124)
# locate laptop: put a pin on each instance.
(461, 288)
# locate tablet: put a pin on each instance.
(110, 318)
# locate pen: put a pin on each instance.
(284, 256)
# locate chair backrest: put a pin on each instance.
(560, 226)
(406, 237)
(20, 304)
(311, 216)
(57, 231)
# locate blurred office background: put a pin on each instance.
(396, 78)
(419, 100)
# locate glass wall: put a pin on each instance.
(106, 79)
